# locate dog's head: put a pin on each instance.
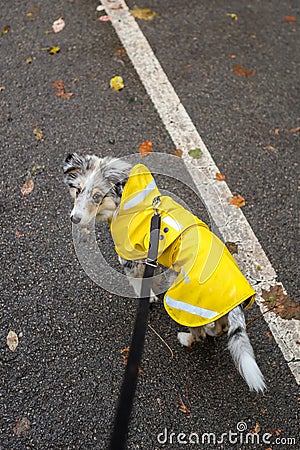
(95, 184)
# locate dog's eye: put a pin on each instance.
(97, 198)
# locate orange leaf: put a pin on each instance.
(61, 92)
(238, 201)
(256, 429)
(178, 152)
(294, 130)
(276, 132)
(242, 71)
(220, 177)
(290, 19)
(231, 56)
(27, 187)
(270, 147)
(145, 148)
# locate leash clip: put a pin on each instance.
(155, 203)
(151, 262)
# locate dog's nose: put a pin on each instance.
(75, 219)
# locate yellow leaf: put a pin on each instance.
(38, 134)
(233, 16)
(29, 60)
(53, 50)
(117, 83)
(143, 13)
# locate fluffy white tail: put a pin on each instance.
(242, 352)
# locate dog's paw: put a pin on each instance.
(153, 297)
(185, 339)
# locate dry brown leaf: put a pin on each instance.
(270, 147)
(22, 426)
(120, 52)
(125, 353)
(290, 19)
(145, 148)
(12, 341)
(282, 304)
(232, 247)
(242, 71)
(27, 187)
(268, 333)
(182, 406)
(238, 201)
(294, 130)
(220, 177)
(61, 92)
(178, 152)
(276, 132)
(231, 56)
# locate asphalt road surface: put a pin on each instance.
(59, 388)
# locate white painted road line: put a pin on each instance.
(215, 195)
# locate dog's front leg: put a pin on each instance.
(195, 334)
(134, 270)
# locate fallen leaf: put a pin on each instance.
(38, 134)
(1, 88)
(233, 16)
(290, 19)
(125, 353)
(61, 92)
(145, 148)
(178, 152)
(231, 56)
(220, 177)
(238, 201)
(143, 13)
(104, 18)
(12, 341)
(256, 429)
(31, 15)
(58, 25)
(27, 187)
(54, 50)
(242, 71)
(232, 247)
(276, 132)
(294, 130)
(120, 52)
(182, 406)
(117, 83)
(28, 60)
(270, 147)
(195, 153)
(22, 426)
(5, 30)
(268, 333)
(284, 306)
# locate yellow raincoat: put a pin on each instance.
(209, 282)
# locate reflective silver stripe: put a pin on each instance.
(140, 196)
(196, 310)
(172, 223)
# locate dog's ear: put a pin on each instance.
(73, 163)
(115, 170)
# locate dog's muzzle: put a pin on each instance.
(75, 219)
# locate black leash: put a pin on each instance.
(119, 434)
